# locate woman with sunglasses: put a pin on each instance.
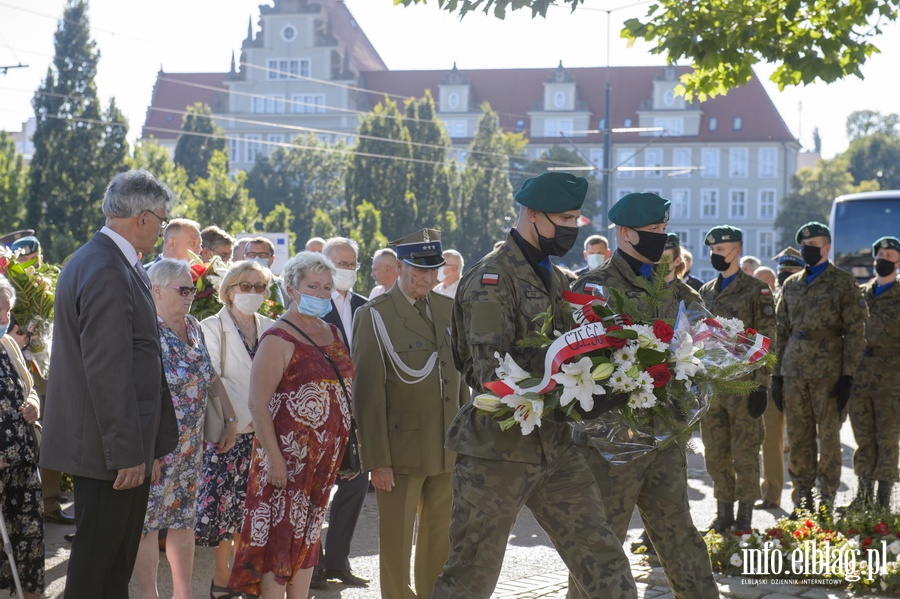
(232, 337)
(191, 378)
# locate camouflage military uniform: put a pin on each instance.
(498, 472)
(875, 404)
(685, 293)
(657, 482)
(731, 437)
(821, 334)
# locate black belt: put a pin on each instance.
(817, 335)
(880, 352)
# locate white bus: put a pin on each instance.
(857, 221)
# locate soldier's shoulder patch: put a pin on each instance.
(490, 278)
(765, 291)
(768, 310)
(590, 288)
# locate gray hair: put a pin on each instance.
(164, 271)
(752, 260)
(305, 263)
(234, 274)
(7, 291)
(335, 242)
(177, 225)
(456, 255)
(133, 192)
(384, 252)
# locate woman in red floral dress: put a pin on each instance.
(302, 421)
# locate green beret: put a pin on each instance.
(812, 229)
(672, 242)
(640, 210)
(886, 243)
(723, 234)
(553, 192)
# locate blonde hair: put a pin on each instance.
(237, 270)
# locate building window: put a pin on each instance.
(275, 142)
(596, 157)
(737, 162)
(709, 203)
(234, 145)
(681, 204)
(457, 128)
(669, 97)
(627, 123)
(768, 158)
(288, 33)
(625, 158)
(308, 103)
(253, 147)
(737, 203)
(559, 99)
(673, 126)
(653, 157)
(706, 274)
(558, 127)
(257, 105)
(267, 104)
(738, 123)
(766, 246)
(682, 237)
(453, 101)
(713, 123)
(709, 160)
(766, 208)
(292, 68)
(621, 193)
(681, 157)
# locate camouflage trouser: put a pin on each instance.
(488, 496)
(875, 416)
(810, 406)
(731, 441)
(657, 484)
(773, 453)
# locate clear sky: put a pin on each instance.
(137, 38)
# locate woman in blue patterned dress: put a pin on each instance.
(191, 377)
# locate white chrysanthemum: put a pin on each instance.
(732, 326)
(641, 399)
(621, 382)
(509, 369)
(527, 412)
(736, 560)
(627, 355)
(578, 384)
(894, 547)
(644, 380)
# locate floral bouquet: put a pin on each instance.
(35, 292)
(207, 279)
(630, 385)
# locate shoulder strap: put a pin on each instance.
(337, 370)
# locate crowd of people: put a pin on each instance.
(238, 431)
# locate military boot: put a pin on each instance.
(805, 502)
(865, 492)
(883, 499)
(724, 517)
(744, 520)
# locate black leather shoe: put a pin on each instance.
(765, 504)
(69, 536)
(318, 580)
(346, 577)
(59, 517)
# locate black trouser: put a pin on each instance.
(346, 505)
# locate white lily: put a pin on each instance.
(686, 364)
(487, 402)
(578, 384)
(527, 412)
(509, 369)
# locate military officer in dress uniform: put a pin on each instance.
(821, 320)
(732, 429)
(656, 482)
(499, 472)
(406, 392)
(874, 409)
(788, 262)
(683, 292)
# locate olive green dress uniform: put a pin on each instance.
(875, 403)
(402, 425)
(499, 472)
(820, 337)
(731, 437)
(655, 483)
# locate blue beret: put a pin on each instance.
(639, 210)
(886, 243)
(26, 245)
(553, 192)
(723, 234)
(421, 249)
(812, 229)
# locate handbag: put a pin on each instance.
(351, 464)
(214, 421)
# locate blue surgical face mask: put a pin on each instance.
(4, 328)
(313, 306)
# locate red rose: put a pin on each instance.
(750, 332)
(660, 375)
(663, 331)
(867, 542)
(626, 319)
(809, 524)
(615, 342)
(882, 529)
(776, 533)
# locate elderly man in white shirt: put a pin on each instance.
(450, 273)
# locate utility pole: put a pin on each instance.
(5, 69)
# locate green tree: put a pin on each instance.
(366, 231)
(79, 147)
(279, 220)
(486, 205)
(200, 138)
(322, 225)
(861, 123)
(723, 39)
(307, 177)
(813, 191)
(13, 184)
(875, 156)
(224, 201)
(381, 169)
(150, 156)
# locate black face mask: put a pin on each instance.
(782, 276)
(650, 245)
(884, 267)
(719, 263)
(811, 254)
(562, 241)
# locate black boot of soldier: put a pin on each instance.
(744, 520)
(865, 494)
(724, 517)
(805, 502)
(883, 499)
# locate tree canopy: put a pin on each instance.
(722, 39)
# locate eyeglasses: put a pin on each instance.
(184, 291)
(163, 222)
(265, 255)
(246, 287)
(347, 265)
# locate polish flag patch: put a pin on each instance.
(765, 291)
(591, 287)
(490, 279)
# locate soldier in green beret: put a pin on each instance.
(821, 320)
(499, 472)
(875, 414)
(732, 428)
(657, 482)
(676, 269)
